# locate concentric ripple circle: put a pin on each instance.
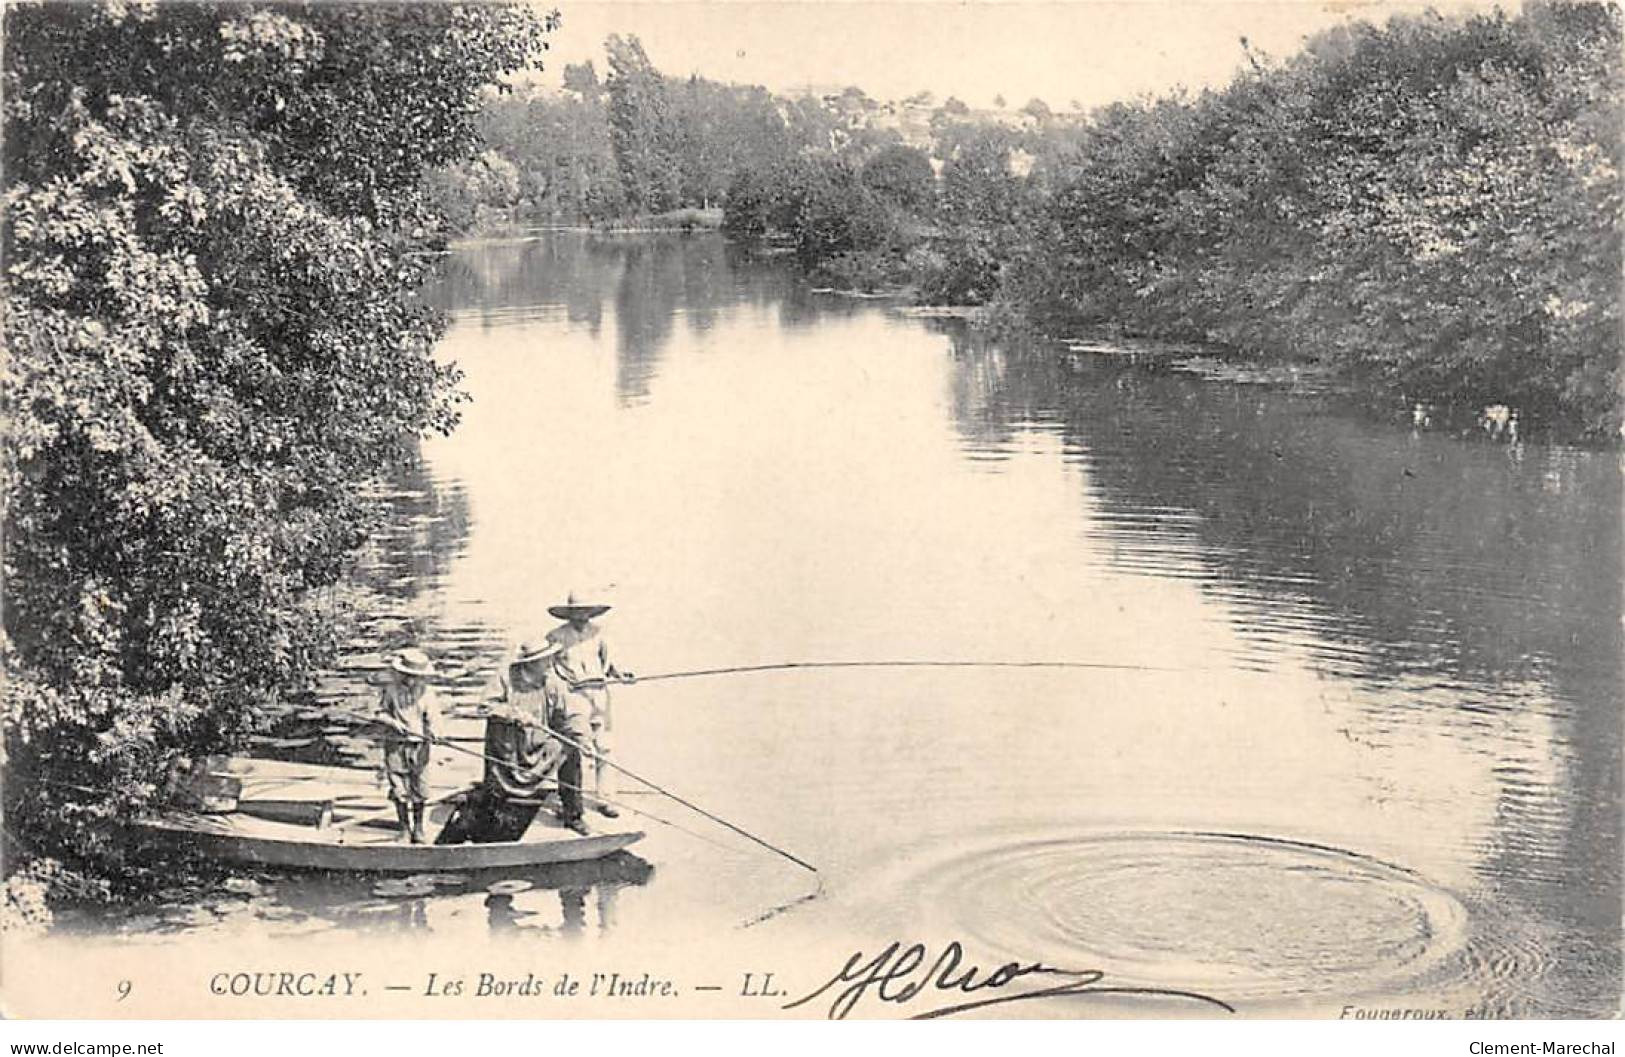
(1231, 915)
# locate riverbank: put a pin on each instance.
(685, 220)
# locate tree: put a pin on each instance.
(641, 122)
(983, 209)
(902, 176)
(1038, 110)
(475, 193)
(835, 214)
(1433, 206)
(582, 79)
(214, 230)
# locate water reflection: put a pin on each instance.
(650, 286)
(1431, 557)
(1474, 587)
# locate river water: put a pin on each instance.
(1355, 740)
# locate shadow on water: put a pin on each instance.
(1476, 584)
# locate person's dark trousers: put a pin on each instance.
(570, 784)
(506, 821)
(485, 819)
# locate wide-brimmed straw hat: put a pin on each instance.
(573, 608)
(411, 662)
(536, 651)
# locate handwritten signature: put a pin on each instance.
(896, 975)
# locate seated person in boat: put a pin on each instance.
(410, 713)
(521, 756)
(585, 670)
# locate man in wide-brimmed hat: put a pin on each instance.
(411, 717)
(585, 671)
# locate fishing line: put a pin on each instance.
(773, 912)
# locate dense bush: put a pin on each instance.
(214, 230)
(1434, 205)
(835, 214)
(986, 217)
(902, 176)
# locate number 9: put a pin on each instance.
(124, 987)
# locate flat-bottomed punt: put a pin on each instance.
(358, 838)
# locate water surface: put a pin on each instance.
(1363, 745)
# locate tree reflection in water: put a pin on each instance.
(1468, 584)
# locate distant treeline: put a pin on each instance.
(1432, 205)
(632, 144)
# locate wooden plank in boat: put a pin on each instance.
(317, 813)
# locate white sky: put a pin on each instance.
(1093, 51)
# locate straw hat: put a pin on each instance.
(573, 608)
(412, 662)
(536, 651)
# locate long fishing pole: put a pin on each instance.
(747, 834)
(556, 784)
(790, 665)
(686, 803)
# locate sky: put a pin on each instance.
(1088, 51)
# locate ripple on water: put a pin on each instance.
(1238, 916)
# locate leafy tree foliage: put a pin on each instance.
(638, 145)
(582, 78)
(903, 176)
(1434, 204)
(214, 229)
(1038, 110)
(643, 126)
(561, 150)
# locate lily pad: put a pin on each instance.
(187, 917)
(373, 906)
(404, 888)
(302, 927)
(508, 888)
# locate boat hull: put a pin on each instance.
(248, 842)
(287, 813)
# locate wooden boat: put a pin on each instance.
(351, 834)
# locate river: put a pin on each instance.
(1357, 739)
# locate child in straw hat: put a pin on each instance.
(411, 713)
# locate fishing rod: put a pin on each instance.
(686, 803)
(635, 777)
(556, 784)
(794, 665)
